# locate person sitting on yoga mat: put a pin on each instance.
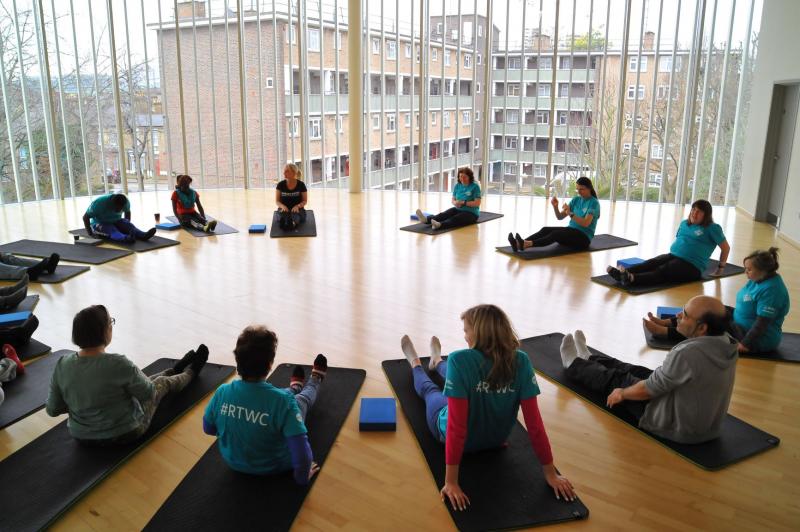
(260, 428)
(291, 196)
(104, 217)
(466, 202)
(10, 367)
(686, 398)
(761, 306)
(13, 268)
(688, 256)
(184, 199)
(109, 400)
(484, 387)
(583, 211)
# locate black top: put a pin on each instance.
(290, 198)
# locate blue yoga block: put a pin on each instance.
(257, 228)
(377, 414)
(415, 217)
(14, 318)
(627, 263)
(668, 312)
(168, 226)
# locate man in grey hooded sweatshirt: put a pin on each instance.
(685, 399)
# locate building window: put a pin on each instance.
(314, 129)
(511, 143)
(291, 32)
(511, 168)
(416, 120)
(446, 118)
(433, 119)
(514, 63)
(416, 52)
(338, 42)
(478, 59)
(376, 46)
(562, 118)
(544, 90)
(407, 120)
(629, 121)
(480, 34)
(447, 58)
(512, 116)
(465, 117)
(640, 61)
(270, 83)
(478, 87)
(512, 89)
(662, 91)
(467, 60)
(434, 54)
(626, 148)
(439, 28)
(477, 144)
(542, 117)
(566, 63)
(545, 63)
(408, 50)
(657, 152)
(655, 179)
(391, 50)
(632, 92)
(294, 127)
(339, 125)
(376, 121)
(563, 90)
(391, 122)
(539, 171)
(313, 40)
(665, 63)
(154, 136)
(477, 116)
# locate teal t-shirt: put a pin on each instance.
(581, 207)
(469, 192)
(102, 394)
(768, 298)
(696, 243)
(101, 210)
(253, 420)
(492, 413)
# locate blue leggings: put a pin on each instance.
(435, 400)
(121, 230)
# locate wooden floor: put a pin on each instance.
(353, 291)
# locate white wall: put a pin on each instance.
(775, 63)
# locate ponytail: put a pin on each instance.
(764, 261)
(586, 182)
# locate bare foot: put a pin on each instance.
(655, 328)
(658, 321)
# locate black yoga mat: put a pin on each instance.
(309, 228)
(738, 439)
(27, 393)
(62, 273)
(730, 269)
(221, 229)
(599, 242)
(68, 252)
(788, 350)
(506, 487)
(29, 303)
(215, 497)
(32, 349)
(156, 242)
(55, 471)
(426, 229)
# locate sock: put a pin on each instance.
(149, 234)
(520, 241)
(435, 224)
(436, 353)
(52, 262)
(297, 379)
(580, 345)
(10, 353)
(37, 269)
(212, 225)
(201, 357)
(320, 367)
(513, 242)
(568, 351)
(182, 364)
(421, 216)
(614, 273)
(408, 349)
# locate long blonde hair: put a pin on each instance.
(495, 337)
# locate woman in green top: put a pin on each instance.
(466, 204)
(109, 400)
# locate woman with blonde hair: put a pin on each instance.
(291, 196)
(485, 385)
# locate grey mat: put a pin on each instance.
(54, 471)
(32, 349)
(518, 497)
(68, 252)
(27, 393)
(138, 246)
(221, 229)
(29, 303)
(738, 439)
(787, 351)
(730, 269)
(62, 273)
(599, 243)
(212, 496)
(309, 228)
(426, 229)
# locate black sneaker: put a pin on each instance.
(182, 364)
(615, 274)
(52, 262)
(320, 366)
(37, 269)
(148, 235)
(520, 242)
(513, 242)
(298, 378)
(201, 357)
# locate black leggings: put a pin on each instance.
(665, 268)
(566, 236)
(192, 220)
(602, 374)
(453, 217)
(288, 220)
(19, 335)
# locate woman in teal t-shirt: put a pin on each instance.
(688, 256)
(466, 204)
(484, 388)
(761, 306)
(583, 211)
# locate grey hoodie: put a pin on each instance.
(691, 391)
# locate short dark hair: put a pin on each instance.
(704, 206)
(119, 201)
(89, 327)
(467, 170)
(716, 324)
(255, 351)
(764, 261)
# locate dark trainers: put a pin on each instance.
(52, 262)
(297, 379)
(148, 235)
(520, 242)
(183, 363)
(320, 366)
(37, 269)
(615, 274)
(513, 242)
(201, 357)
